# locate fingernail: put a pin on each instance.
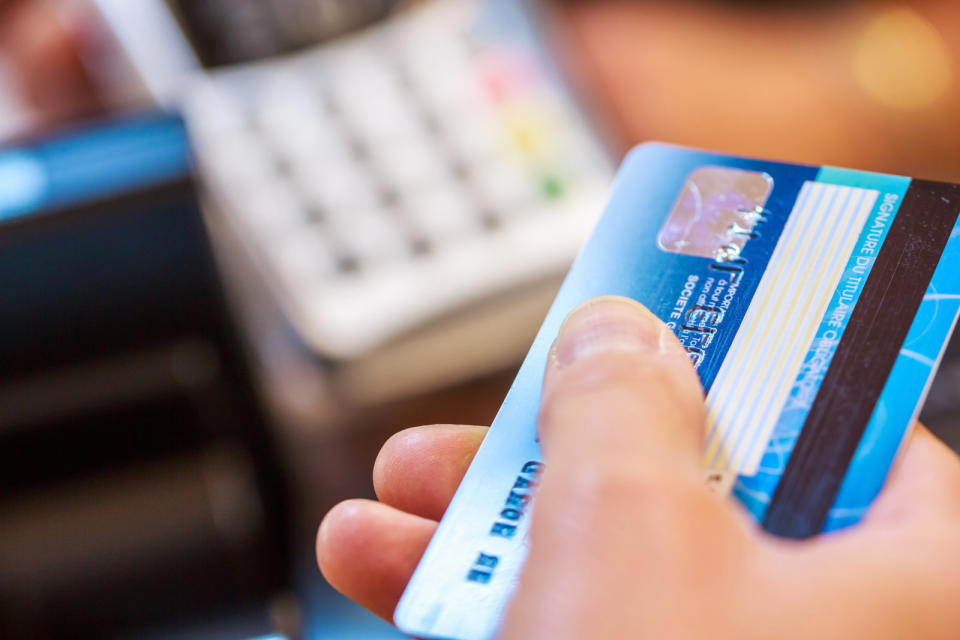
(610, 323)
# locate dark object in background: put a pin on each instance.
(138, 481)
(941, 413)
(227, 32)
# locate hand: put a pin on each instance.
(626, 542)
(43, 46)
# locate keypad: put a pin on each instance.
(425, 136)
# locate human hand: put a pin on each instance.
(625, 540)
(42, 44)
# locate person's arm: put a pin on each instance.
(626, 542)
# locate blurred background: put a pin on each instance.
(244, 241)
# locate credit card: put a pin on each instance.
(815, 304)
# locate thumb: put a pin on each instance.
(621, 510)
(620, 393)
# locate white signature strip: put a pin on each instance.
(753, 382)
(839, 237)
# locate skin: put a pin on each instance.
(43, 47)
(626, 542)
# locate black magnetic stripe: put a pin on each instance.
(863, 360)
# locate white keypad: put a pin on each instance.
(444, 215)
(390, 177)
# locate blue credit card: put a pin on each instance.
(815, 303)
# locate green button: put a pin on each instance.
(552, 187)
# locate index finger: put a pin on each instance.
(925, 480)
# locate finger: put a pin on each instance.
(925, 480)
(901, 558)
(7, 5)
(367, 551)
(621, 427)
(418, 470)
(45, 53)
(620, 393)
